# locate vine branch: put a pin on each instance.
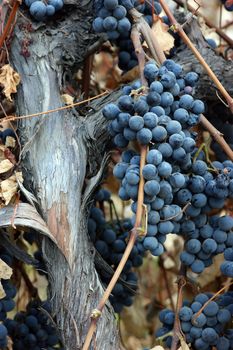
(207, 21)
(133, 236)
(177, 27)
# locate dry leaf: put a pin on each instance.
(2, 152)
(67, 99)
(9, 79)
(10, 142)
(2, 291)
(5, 165)
(5, 270)
(158, 347)
(9, 187)
(165, 39)
(184, 345)
(131, 75)
(9, 343)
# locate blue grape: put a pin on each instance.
(38, 10)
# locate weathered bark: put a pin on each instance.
(59, 151)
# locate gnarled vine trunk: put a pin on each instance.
(59, 151)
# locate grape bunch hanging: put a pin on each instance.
(113, 19)
(181, 189)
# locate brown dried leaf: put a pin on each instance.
(184, 345)
(2, 152)
(2, 291)
(5, 165)
(67, 99)
(9, 187)
(131, 75)
(9, 79)
(5, 270)
(10, 142)
(165, 39)
(9, 343)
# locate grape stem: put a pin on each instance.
(135, 37)
(177, 332)
(178, 28)
(217, 135)
(133, 236)
(148, 35)
(209, 23)
(165, 276)
(212, 298)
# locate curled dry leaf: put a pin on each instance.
(26, 216)
(165, 39)
(5, 273)
(10, 142)
(9, 79)
(5, 165)
(184, 345)
(67, 99)
(9, 343)
(9, 187)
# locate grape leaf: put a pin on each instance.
(9, 79)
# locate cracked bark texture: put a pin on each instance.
(63, 159)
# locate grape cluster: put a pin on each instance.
(113, 19)
(160, 118)
(202, 329)
(33, 329)
(205, 240)
(41, 10)
(228, 4)
(109, 239)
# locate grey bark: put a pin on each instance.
(60, 151)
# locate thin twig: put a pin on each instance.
(177, 332)
(133, 236)
(208, 22)
(212, 298)
(9, 22)
(148, 35)
(196, 53)
(135, 37)
(217, 136)
(55, 109)
(161, 263)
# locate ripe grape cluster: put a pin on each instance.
(33, 329)
(228, 4)
(203, 329)
(42, 10)
(113, 18)
(110, 239)
(160, 117)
